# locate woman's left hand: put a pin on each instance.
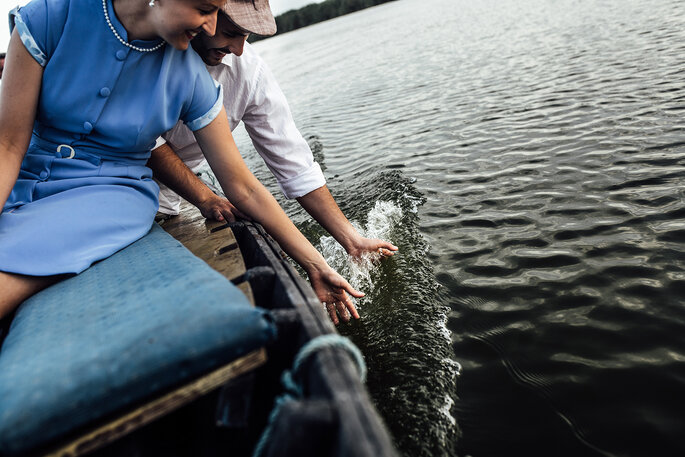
(332, 290)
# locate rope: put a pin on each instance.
(294, 390)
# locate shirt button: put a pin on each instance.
(104, 92)
(88, 126)
(43, 174)
(121, 54)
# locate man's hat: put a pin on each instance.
(252, 15)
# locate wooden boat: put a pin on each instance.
(238, 407)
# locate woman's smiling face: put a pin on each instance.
(179, 21)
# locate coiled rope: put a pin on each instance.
(292, 390)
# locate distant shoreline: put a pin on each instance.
(317, 12)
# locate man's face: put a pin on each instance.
(228, 39)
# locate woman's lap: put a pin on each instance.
(67, 225)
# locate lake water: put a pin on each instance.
(528, 158)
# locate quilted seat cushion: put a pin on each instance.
(144, 320)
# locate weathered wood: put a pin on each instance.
(212, 241)
(331, 374)
(157, 408)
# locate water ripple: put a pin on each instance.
(544, 142)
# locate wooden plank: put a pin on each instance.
(159, 407)
(212, 241)
(332, 375)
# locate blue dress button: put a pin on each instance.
(121, 54)
(104, 92)
(88, 126)
(43, 174)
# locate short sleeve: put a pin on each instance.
(40, 24)
(206, 102)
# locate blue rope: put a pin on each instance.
(293, 389)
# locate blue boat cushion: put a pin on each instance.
(144, 320)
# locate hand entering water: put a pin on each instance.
(332, 290)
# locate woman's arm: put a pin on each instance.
(250, 197)
(21, 82)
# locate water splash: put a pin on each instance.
(403, 327)
(403, 330)
(359, 272)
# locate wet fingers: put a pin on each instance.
(342, 311)
(330, 308)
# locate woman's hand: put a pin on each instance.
(333, 290)
(251, 198)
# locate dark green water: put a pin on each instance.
(528, 158)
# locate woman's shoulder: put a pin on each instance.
(47, 18)
(47, 10)
(40, 24)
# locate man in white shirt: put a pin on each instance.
(252, 95)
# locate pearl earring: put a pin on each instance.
(151, 4)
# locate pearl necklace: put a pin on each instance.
(121, 40)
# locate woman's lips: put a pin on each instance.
(190, 34)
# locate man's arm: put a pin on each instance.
(271, 127)
(321, 206)
(169, 169)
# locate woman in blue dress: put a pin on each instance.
(87, 88)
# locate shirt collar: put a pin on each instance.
(228, 59)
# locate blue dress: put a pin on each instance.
(83, 191)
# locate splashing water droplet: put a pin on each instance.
(358, 272)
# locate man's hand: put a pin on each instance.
(333, 292)
(168, 168)
(363, 245)
(320, 204)
(219, 209)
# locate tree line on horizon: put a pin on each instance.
(316, 12)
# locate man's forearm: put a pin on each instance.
(170, 170)
(320, 204)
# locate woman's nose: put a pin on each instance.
(209, 27)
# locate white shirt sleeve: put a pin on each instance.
(271, 127)
(160, 141)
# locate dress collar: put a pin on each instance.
(122, 31)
